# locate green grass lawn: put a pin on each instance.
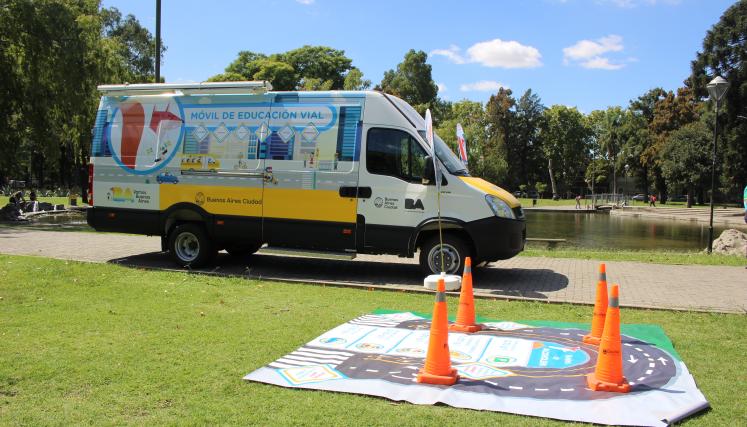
(650, 257)
(102, 344)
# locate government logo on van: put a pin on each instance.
(414, 204)
(379, 202)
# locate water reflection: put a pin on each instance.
(604, 231)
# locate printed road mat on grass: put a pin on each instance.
(531, 368)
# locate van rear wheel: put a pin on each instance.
(190, 246)
(454, 251)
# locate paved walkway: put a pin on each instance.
(679, 287)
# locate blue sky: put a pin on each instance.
(585, 53)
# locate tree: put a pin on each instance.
(524, 147)
(354, 80)
(282, 76)
(639, 140)
(305, 68)
(686, 158)
(54, 54)
(135, 42)
(724, 53)
(565, 135)
(228, 76)
(500, 117)
(606, 126)
(471, 116)
(670, 113)
(412, 81)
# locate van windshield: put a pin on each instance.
(443, 152)
(447, 157)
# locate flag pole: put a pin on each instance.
(431, 141)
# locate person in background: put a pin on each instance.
(578, 201)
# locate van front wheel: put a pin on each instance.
(190, 246)
(454, 251)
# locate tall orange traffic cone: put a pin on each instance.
(437, 368)
(608, 375)
(465, 320)
(600, 309)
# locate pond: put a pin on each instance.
(581, 230)
(603, 231)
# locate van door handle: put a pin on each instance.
(359, 192)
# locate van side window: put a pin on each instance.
(395, 153)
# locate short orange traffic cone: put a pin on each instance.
(465, 320)
(437, 368)
(608, 375)
(600, 309)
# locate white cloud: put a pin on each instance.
(305, 2)
(586, 49)
(441, 87)
(482, 86)
(504, 54)
(494, 53)
(452, 54)
(588, 53)
(601, 63)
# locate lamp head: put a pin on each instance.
(717, 88)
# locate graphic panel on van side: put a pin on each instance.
(143, 137)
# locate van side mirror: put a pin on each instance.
(429, 174)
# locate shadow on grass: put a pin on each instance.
(517, 282)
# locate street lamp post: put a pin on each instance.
(158, 41)
(716, 89)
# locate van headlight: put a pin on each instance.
(499, 207)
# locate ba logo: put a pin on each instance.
(200, 199)
(414, 204)
(379, 202)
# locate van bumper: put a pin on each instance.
(497, 238)
(120, 220)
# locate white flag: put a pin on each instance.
(461, 144)
(431, 144)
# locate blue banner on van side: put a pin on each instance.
(348, 135)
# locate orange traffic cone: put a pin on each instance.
(603, 272)
(608, 375)
(600, 310)
(465, 320)
(437, 368)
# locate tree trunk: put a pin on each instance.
(690, 196)
(552, 179)
(661, 185)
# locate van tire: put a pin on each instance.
(190, 246)
(242, 250)
(456, 251)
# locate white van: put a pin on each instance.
(235, 166)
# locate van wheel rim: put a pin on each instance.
(187, 247)
(452, 260)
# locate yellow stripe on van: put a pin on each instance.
(242, 201)
(312, 205)
(315, 205)
(491, 189)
